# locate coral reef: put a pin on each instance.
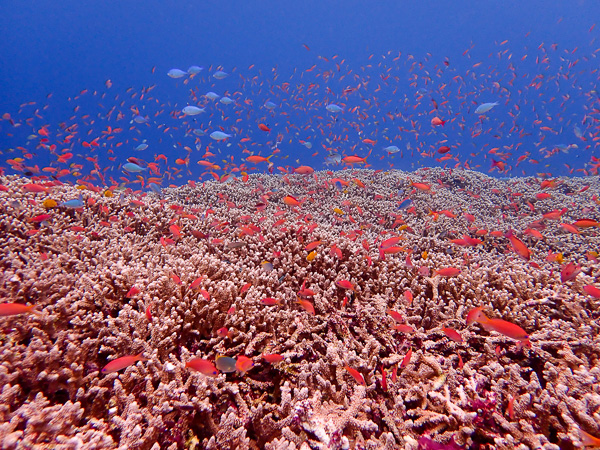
(78, 266)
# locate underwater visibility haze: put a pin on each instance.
(299, 225)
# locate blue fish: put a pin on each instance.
(406, 203)
(191, 110)
(132, 168)
(333, 108)
(141, 147)
(73, 204)
(194, 70)
(219, 74)
(219, 135)
(176, 73)
(155, 188)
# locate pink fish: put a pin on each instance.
(569, 272)
(272, 357)
(356, 375)
(204, 366)
(243, 364)
(123, 362)
(12, 309)
(452, 334)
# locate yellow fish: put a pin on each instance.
(312, 255)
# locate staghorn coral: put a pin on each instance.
(53, 392)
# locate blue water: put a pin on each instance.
(52, 52)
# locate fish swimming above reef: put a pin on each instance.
(485, 107)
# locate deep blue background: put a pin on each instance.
(64, 47)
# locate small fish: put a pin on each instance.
(267, 266)
(587, 440)
(307, 306)
(219, 75)
(132, 168)
(485, 107)
(356, 375)
(518, 246)
(203, 366)
(73, 204)
(270, 301)
(291, 201)
(243, 364)
(345, 284)
(176, 73)
(404, 204)
(569, 272)
(219, 135)
(447, 272)
(313, 245)
(123, 362)
(452, 334)
(12, 309)
(225, 364)
(191, 110)
(406, 359)
(311, 256)
(403, 328)
(272, 357)
(132, 292)
(333, 108)
(437, 121)
(592, 290)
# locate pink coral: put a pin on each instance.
(53, 391)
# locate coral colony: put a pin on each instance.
(317, 311)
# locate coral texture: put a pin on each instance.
(78, 268)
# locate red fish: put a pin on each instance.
(453, 334)
(437, 121)
(569, 272)
(243, 364)
(345, 284)
(12, 309)
(406, 359)
(518, 246)
(263, 127)
(272, 357)
(447, 272)
(122, 363)
(592, 290)
(132, 292)
(356, 375)
(307, 306)
(269, 301)
(313, 245)
(203, 366)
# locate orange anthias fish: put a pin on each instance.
(345, 284)
(203, 366)
(12, 309)
(353, 159)
(570, 272)
(501, 326)
(243, 364)
(452, 334)
(263, 127)
(122, 363)
(447, 272)
(257, 159)
(356, 375)
(587, 440)
(291, 201)
(518, 246)
(313, 245)
(437, 121)
(272, 357)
